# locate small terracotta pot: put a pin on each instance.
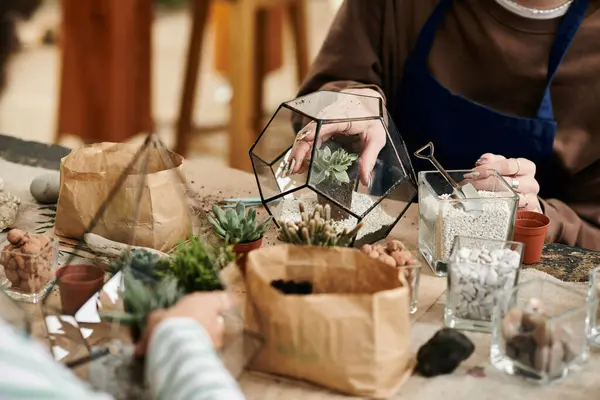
(77, 284)
(531, 228)
(242, 250)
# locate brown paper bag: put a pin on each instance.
(352, 334)
(89, 173)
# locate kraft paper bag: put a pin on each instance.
(351, 335)
(89, 174)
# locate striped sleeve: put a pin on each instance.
(182, 364)
(28, 371)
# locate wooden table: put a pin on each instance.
(462, 384)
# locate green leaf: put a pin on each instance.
(120, 317)
(220, 214)
(342, 176)
(241, 210)
(317, 177)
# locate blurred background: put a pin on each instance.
(114, 70)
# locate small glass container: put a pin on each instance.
(594, 295)
(442, 218)
(540, 331)
(412, 275)
(478, 270)
(28, 276)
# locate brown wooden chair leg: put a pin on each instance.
(297, 16)
(199, 14)
(260, 75)
(243, 77)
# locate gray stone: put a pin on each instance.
(45, 188)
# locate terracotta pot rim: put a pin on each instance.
(94, 272)
(248, 244)
(532, 215)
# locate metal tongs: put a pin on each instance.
(466, 191)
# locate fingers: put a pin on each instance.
(529, 202)
(368, 158)
(507, 166)
(485, 179)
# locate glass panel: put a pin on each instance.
(265, 176)
(381, 219)
(279, 135)
(328, 105)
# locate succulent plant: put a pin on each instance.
(332, 167)
(139, 300)
(237, 226)
(145, 266)
(316, 229)
(197, 265)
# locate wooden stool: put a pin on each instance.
(247, 53)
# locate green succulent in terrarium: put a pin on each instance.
(197, 265)
(139, 300)
(331, 166)
(316, 229)
(145, 266)
(237, 226)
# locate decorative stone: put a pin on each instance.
(443, 353)
(45, 188)
(9, 208)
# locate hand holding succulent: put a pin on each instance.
(237, 226)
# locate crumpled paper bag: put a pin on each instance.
(88, 175)
(351, 335)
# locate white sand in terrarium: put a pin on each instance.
(373, 222)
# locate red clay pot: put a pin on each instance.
(77, 284)
(531, 228)
(242, 250)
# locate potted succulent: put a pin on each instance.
(330, 176)
(77, 283)
(140, 299)
(196, 266)
(316, 229)
(239, 228)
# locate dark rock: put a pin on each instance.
(292, 287)
(443, 353)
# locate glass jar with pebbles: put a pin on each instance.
(540, 330)
(442, 218)
(594, 295)
(27, 265)
(299, 158)
(478, 270)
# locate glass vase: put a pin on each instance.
(594, 295)
(479, 270)
(442, 218)
(27, 276)
(540, 331)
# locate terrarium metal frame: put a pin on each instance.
(96, 352)
(307, 185)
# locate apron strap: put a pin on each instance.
(564, 37)
(427, 35)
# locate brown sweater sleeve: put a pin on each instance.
(577, 222)
(349, 57)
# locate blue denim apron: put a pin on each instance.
(461, 129)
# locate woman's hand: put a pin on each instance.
(371, 132)
(204, 307)
(518, 172)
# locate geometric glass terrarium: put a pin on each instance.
(336, 149)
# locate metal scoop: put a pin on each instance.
(467, 191)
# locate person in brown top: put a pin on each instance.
(510, 85)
